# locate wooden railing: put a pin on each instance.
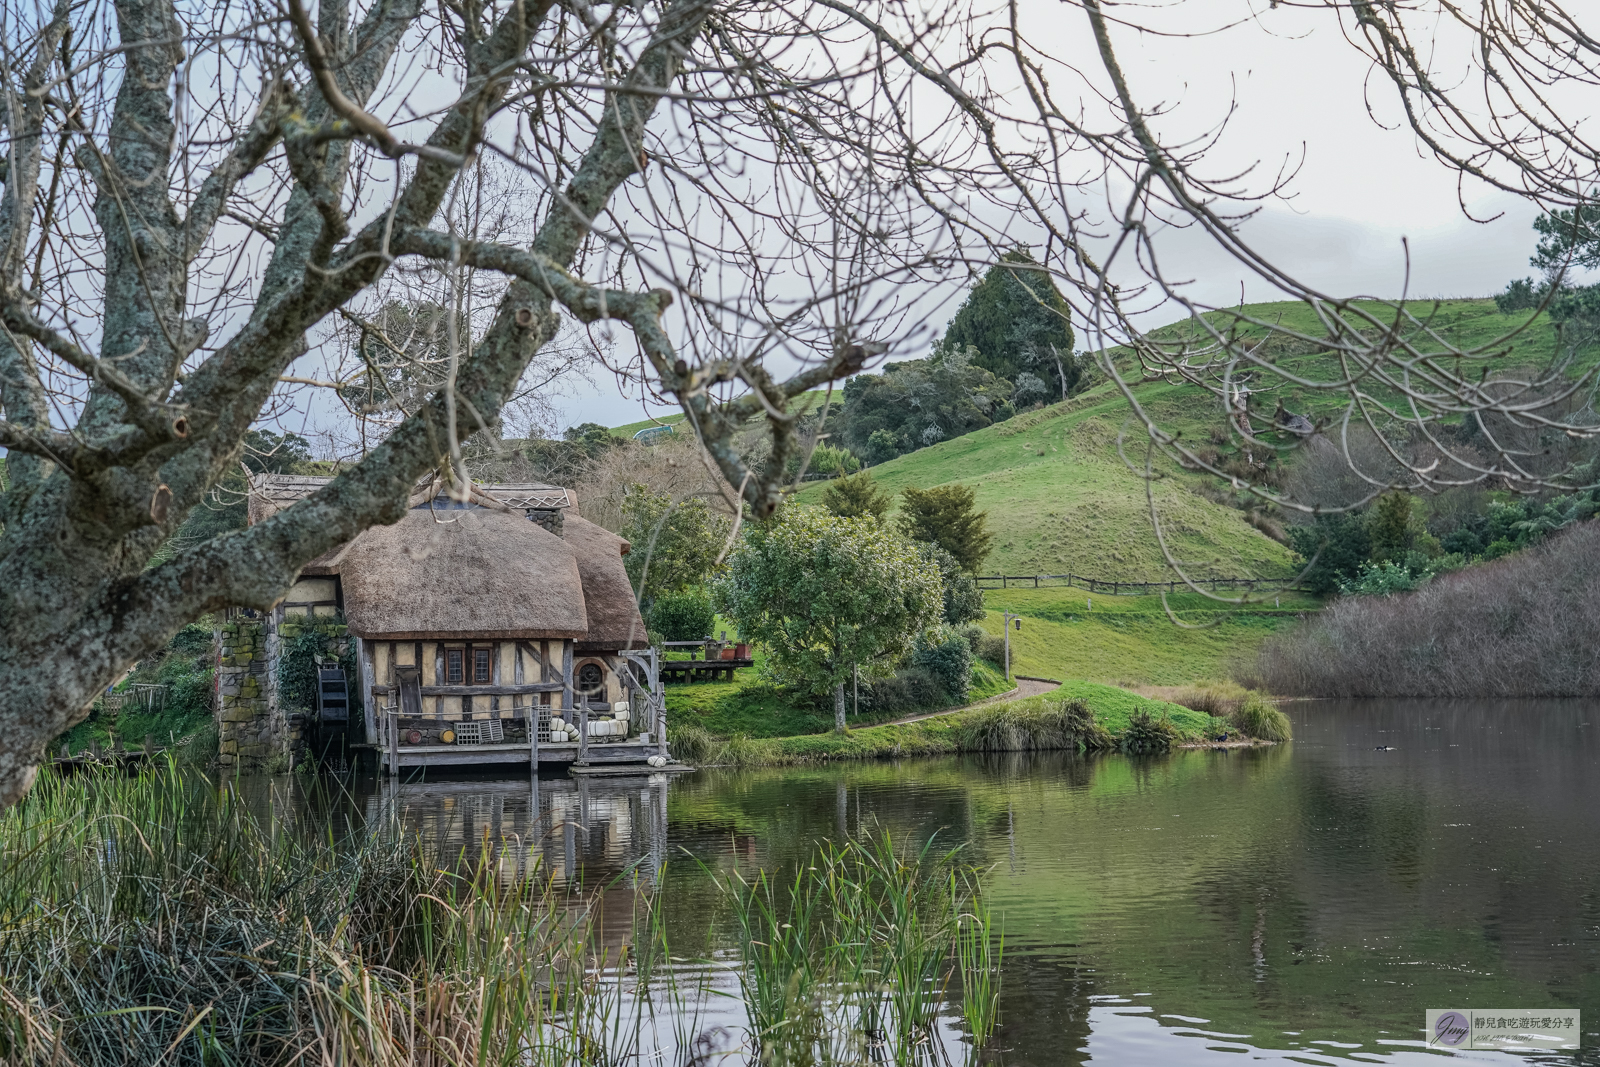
(1120, 588)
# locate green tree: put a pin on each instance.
(857, 496)
(675, 543)
(1017, 320)
(1333, 548)
(947, 516)
(823, 594)
(963, 600)
(1390, 524)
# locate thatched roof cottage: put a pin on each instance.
(472, 620)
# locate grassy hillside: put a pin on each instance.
(1060, 497)
(1130, 641)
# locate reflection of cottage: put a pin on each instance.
(471, 621)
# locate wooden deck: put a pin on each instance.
(700, 670)
(480, 755)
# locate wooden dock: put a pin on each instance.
(619, 752)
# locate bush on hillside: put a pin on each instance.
(911, 690)
(1256, 717)
(947, 657)
(1146, 733)
(686, 615)
(993, 649)
(1522, 626)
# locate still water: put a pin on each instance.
(1304, 903)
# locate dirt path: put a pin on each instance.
(1026, 687)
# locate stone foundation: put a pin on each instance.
(251, 728)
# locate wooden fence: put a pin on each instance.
(1120, 588)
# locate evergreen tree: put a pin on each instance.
(947, 516)
(856, 496)
(1018, 321)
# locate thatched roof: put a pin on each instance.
(477, 571)
(614, 620)
(470, 572)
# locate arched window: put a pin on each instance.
(592, 679)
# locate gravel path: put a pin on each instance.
(1026, 687)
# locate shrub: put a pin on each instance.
(1520, 627)
(1382, 579)
(947, 657)
(689, 742)
(1217, 699)
(1053, 725)
(963, 600)
(1258, 718)
(993, 649)
(913, 689)
(683, 616)
(1146, 733)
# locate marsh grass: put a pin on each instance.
(1257, 717)
(160, 920)
(851, 958)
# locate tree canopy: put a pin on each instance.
(921, 402)
(856, 497)
(823, 594)
(1019, 323)
(675, 543)
(947, 516)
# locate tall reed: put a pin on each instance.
(851, 959)
(159, 920)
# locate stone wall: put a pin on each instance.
(252, 728)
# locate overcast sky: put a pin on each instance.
(1300, 89)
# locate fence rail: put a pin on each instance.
(1120, 588)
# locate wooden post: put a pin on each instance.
(391, 723)
(149, 744)
(566, 675)
(1036, 581)
(658, 703)
(583, 727)
(1002, 581)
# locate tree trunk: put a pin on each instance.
(838, 707)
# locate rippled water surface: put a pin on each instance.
(1304, 903)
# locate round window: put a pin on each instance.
(591, 678)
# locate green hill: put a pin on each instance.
(1060, 497)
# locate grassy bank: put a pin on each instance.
(1079, 715)
(749, 707)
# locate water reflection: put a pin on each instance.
(1305, 903)
(577, 833)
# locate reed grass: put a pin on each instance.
(160, 920)
(850, 960)
(1257, 717)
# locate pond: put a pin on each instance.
(1305, 903)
